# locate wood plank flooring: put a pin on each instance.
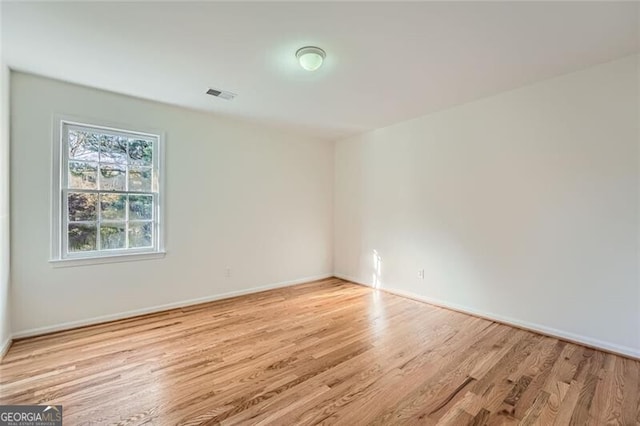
(328, 352)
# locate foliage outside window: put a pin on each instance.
(109, 192)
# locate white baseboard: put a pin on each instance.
(536, 328)
(159, 308)
(352, 279)
(4, 348)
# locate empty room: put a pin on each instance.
(299, 213)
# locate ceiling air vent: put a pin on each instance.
(223, 94)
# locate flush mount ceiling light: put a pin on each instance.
(310, 57)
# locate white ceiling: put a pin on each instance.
(386, 62)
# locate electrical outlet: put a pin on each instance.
(227, 272)
(421, 274)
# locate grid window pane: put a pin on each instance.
(82, 206)
(140, 152)
(112, 236)
(140, 235)
(140, 207)
(112, 177)
(83, 175)
(83, 145)
(140, 179)
(113, 149)
(82, 237)
(113, 206)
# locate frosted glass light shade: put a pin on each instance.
(310, 57)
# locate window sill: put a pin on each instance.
(99, 260)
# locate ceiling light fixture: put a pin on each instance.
(310, 57)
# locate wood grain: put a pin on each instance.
(327, 352)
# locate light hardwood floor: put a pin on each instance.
(327, 352)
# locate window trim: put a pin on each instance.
(58, 256)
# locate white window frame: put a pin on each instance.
(60, 256)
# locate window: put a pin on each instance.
(107, 193)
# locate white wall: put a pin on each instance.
(5, 320)
(522, 206)
(250, 198)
